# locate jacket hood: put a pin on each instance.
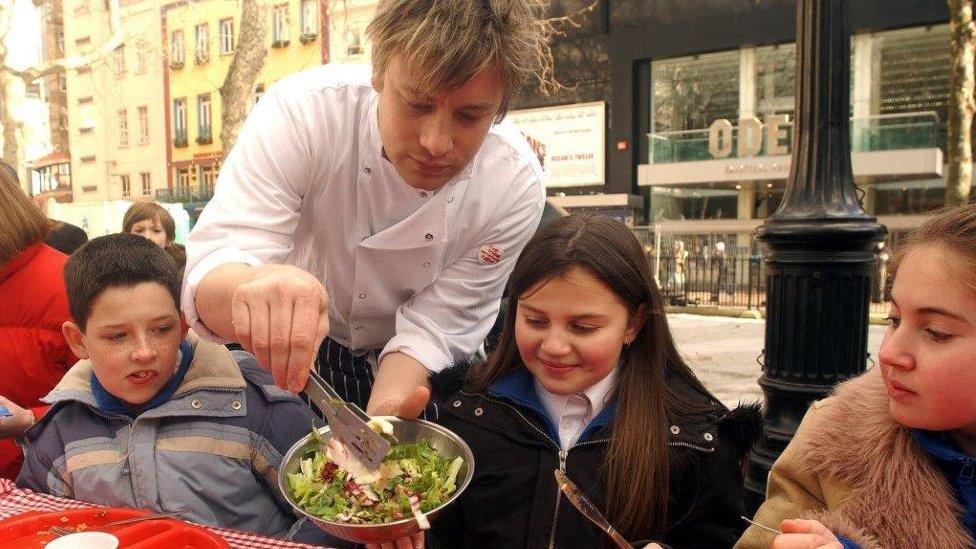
(898, 493)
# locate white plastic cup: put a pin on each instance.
(84, 540)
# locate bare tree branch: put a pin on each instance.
(53, 66)
(555, 27)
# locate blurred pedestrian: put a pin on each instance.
(33, 305)
(66, 238)
(152, 221)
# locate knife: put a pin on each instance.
(347, 422)
(585, 506)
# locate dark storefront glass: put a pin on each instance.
(775, 80)
(691, 92)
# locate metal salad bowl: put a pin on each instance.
(448, 444)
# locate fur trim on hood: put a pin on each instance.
(898, 496)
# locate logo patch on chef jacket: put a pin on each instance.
(490, 254)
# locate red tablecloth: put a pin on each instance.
(14, 501)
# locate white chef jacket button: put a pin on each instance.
(368, 170)
(359, 327)
(426, 263)
(362, 295)
(450, 199)
(429, 236)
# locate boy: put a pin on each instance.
(150, 418)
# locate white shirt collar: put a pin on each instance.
(572, 413)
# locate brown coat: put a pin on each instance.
(863, 475)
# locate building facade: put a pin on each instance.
(115, 123)
(201, 38)
(699, 101)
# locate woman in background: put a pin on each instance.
(33, 305)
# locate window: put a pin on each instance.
(118, 60)
(183, 177)
(202, 43)
(225, 29)
(203, 120)
(59, 42)
(62, 82)
(179, 122)
(140, 59)
(208, 176)
(143, 125)
(85, 100)
(126, 188)
(279, 26)
(123, 128)
(309, 20)
(84, 40)
(146, 183)
(176, 49)
(88, 159)
(354, 44)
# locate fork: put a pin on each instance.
(62, 531)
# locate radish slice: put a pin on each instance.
(418, 514)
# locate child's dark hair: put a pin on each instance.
(637, 460)
(113, 261)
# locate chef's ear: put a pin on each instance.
(377, 81)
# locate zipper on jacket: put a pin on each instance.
(559, 496)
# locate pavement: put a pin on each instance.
(723, 352)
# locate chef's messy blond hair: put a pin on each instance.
(446, 42)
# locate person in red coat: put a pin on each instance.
(33, 304)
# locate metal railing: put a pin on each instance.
(189, 193)
(738, 280)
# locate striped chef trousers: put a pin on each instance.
(352, 376)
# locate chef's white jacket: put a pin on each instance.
(406, 270)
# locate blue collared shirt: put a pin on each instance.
(518, 387)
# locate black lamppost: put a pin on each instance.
(819, 245)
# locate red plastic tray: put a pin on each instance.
(30, 530)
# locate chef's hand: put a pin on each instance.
(805, 534)
(401, 388)
(281, 316)
(415, 541)
(16, 424)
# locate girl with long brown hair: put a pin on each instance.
(586, 379)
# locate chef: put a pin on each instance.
(367, 218)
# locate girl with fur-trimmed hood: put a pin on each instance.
(889, 459)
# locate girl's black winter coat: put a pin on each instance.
(513, 501)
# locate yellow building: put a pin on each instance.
(115, 118)
(201, 38)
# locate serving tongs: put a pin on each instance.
(585, 506)
(347, 422)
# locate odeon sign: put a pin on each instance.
(752, 134)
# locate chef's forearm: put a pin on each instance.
(397, 376)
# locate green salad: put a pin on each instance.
(412, 479)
